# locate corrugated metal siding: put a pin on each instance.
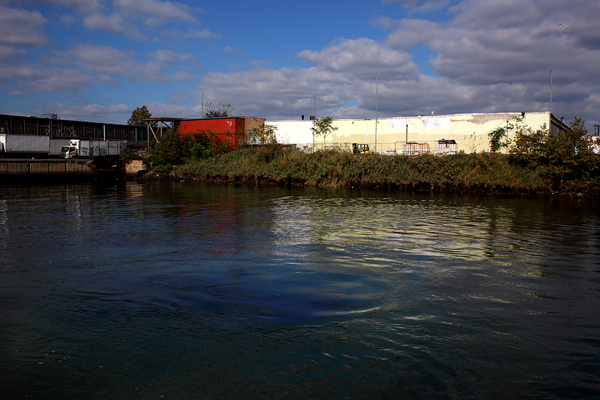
(229, 130)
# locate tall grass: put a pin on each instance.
(461, 172)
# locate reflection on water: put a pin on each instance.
(188, 290)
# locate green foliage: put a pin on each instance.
(128, 155)
(174, 149)
(332, 168)
(561, 156)
(264, 134)
(569, 156)
(169, 149)
(323, 127)
(218, 110)
(499, 137)
(530, 147)
(199, 146)
(138, 115)
(165, 169)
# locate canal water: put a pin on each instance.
(191, 291)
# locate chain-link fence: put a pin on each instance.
(438, 147)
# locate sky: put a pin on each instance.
(97, 60)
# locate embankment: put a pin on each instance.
(474, 173)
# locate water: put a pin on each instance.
(187, 291)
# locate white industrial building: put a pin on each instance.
(410, 135)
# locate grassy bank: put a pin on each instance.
(482, 173)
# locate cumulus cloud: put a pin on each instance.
(420, 6)
(157, 12)
(170, 57)
(10, 54)
(41, 78)
(84, 6)
(363, 58)
(113, 23)
(412, 32)
(89, 112)
(22, 28)
(67, 20)
(18, 93)
(203, 34)
(107, 62)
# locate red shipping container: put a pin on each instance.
(229, 130)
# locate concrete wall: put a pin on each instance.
(36, 167)
(470, 131)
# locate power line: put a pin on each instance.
(534, 93)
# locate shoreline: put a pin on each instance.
(590, 191)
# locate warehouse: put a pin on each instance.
(469, 132)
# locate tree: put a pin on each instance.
(569, 154)
(218, 110)
(264, 134)
(138, 115)
(499, 137)
(168, 150)
(323, 127)
(530, 147)
(564, 155)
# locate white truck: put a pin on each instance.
(24, 145)
(92, 148)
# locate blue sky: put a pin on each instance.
(98, 60)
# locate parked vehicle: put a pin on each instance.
(359, 148)
(92, 148)
(24, 145)
(36, 146)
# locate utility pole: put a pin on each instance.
(376, 90)
(314, 115)
(315, 102)
(550, 93)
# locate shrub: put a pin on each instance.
(163, 168)
(169, 150)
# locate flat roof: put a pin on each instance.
(173, 119)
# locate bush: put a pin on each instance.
(163, 168)
(174, 149)
(169, 150)
(561, 156)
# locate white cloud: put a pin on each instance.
(203, 34)
(18, 93)
(67, 20)
(363, 58)
(157, 12)
(113, 23)
(420, 6)
(108, 62)
(170, 57)
(229, 51)
(79, 5)
(22, 28)
(41, 78)
(10, 54)
(87, 111)
(412, 32)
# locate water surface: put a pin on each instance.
(186, 291)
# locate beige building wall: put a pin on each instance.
(470, 131)
(252, 123)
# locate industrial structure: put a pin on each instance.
(442, 134)
(231, 130)
(49, 125)
(57, 133)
